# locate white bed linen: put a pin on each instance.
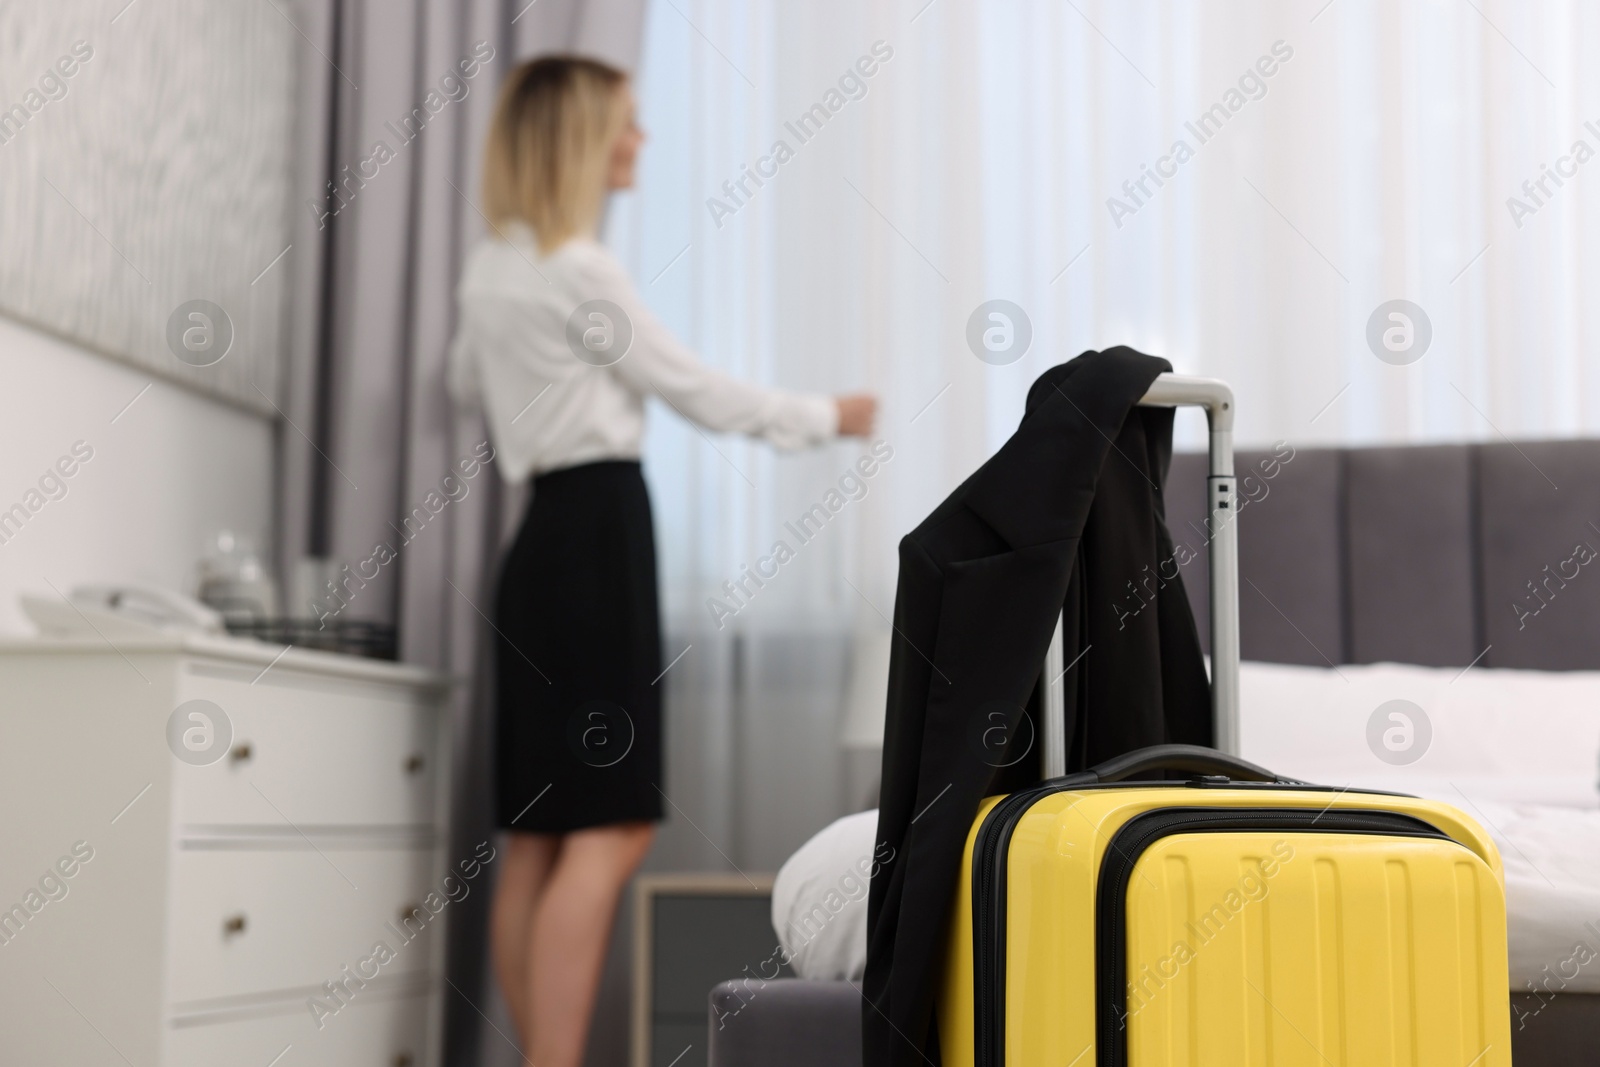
(1552, 865)
(1502, 743)
(1552, 862)
(1497, 735)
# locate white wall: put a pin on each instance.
(165, 473)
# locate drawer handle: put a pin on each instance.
(414, 763)
(240, 752)
(233, 924)
(410, 912)
(402, 1059)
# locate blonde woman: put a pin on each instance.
(558, 347)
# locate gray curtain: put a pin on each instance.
(390, 136)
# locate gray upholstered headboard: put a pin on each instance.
(1421, 554)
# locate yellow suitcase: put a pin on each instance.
(1119, 918)
(1232, 920)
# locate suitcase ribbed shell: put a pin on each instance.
(1245, 947)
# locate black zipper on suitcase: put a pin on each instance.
(990, 852)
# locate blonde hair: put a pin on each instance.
(550, 144)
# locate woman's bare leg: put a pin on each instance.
(524, 872)
(570, 932)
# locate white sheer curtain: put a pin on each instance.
(1374, 163)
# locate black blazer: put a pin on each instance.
(1067, 515)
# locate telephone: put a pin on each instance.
(129, 609)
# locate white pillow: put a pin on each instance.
(819, 899)
(1491, 735)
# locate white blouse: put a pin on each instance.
(517, 348)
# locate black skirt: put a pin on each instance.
(577, 656)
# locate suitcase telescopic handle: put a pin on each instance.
(1179, 390)
(1189, 759)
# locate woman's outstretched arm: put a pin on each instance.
(658, 364)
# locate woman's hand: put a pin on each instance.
(857, 412)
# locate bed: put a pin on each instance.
(1472, 560)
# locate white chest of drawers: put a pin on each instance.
(284, 905)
